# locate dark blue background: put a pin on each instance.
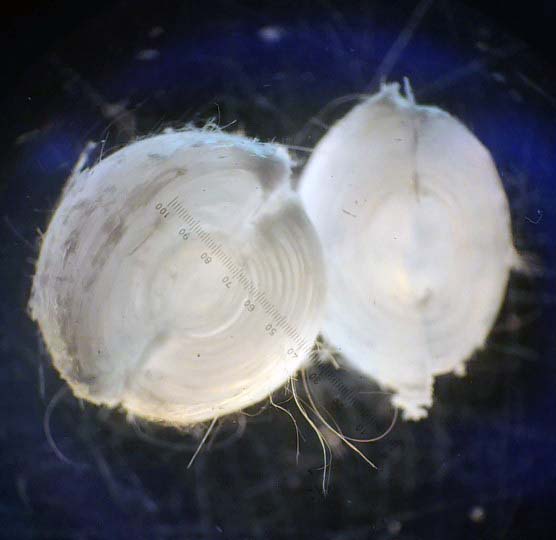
(490, 441)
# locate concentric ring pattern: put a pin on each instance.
(180, 278)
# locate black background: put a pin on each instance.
(29, 28)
